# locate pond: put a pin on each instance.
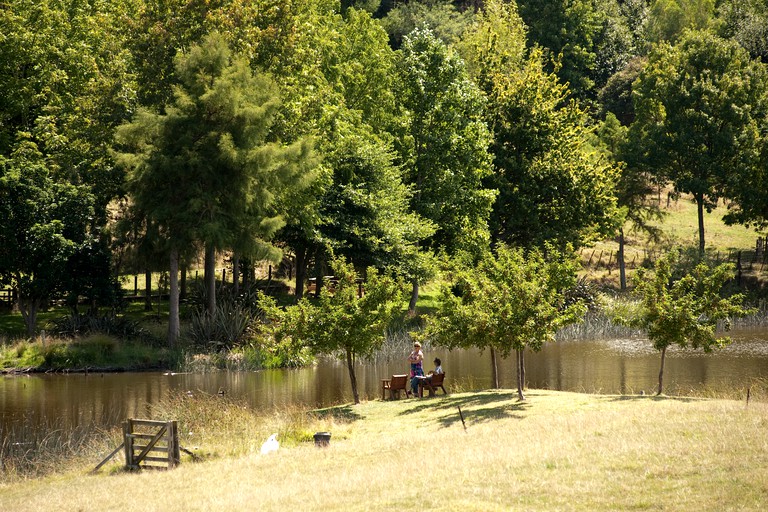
(38, 403)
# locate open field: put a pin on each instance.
(556, 451)
(679, 228)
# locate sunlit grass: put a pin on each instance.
(557, 451)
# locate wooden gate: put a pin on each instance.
(149, 443)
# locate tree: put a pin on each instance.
(746, 21)
(214, 138)
(633, 191)
(668, 19)
(45, 222)
(505, 302)
(570, 30)
(359, 205)
(700, 107)
(685, 311)
(553, 185)
(341, 322)
(442, 16)
(445, 146)
(66, 82)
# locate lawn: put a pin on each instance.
(556, 451)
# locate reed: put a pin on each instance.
(32, 452)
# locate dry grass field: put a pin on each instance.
(556, 451)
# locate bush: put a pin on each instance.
(227, 327)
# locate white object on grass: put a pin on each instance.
(270, 445)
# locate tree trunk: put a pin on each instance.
(520, 374)
(183, 283)
(173, 301)
(414, 296)
(28, 310)
(661, 370)
(352, 378)
(318, 272)
(301, 272)
(210, 279)
(236, 275)
(700, 210)
(494, 369)
(246, 266)
(148, 290)
(622, 264)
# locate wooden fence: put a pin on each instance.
(756, 260)
(145, 439)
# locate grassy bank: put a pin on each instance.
(557, 451)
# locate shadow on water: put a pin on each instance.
(476, 408)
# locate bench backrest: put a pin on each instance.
(398, 382)
(437, 379)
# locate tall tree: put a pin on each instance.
(213, 138)
(685, 311)
(506, 302)
(633, 191)
(358, 206)
(66, 82)
(700, 107)
(341, 322)
(445, 145)
(553, 186)
(45, 222)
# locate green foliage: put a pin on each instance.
(45, 223)
(668, 19)
(746, 21)
(685, 311)
(340, 322)
(570, 30)
(506, 302)
(445, 146)
(442, 16)
(225, 328)
(700, 107)
(553, 186)
(66, 82)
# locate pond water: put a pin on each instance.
(37, 403)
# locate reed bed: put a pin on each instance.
(53, 450)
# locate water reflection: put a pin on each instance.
(625, 365)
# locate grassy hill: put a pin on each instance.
(679, 229)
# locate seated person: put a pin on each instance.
(438, 368)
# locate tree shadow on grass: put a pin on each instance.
(340, 413)
(475, 407)
(655, 398)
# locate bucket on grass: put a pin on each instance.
(322, 439)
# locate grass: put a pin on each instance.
(556, 451)
(679, 229)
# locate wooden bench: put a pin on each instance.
(396, 384)
(432, 383)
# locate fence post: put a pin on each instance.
(128, 441)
